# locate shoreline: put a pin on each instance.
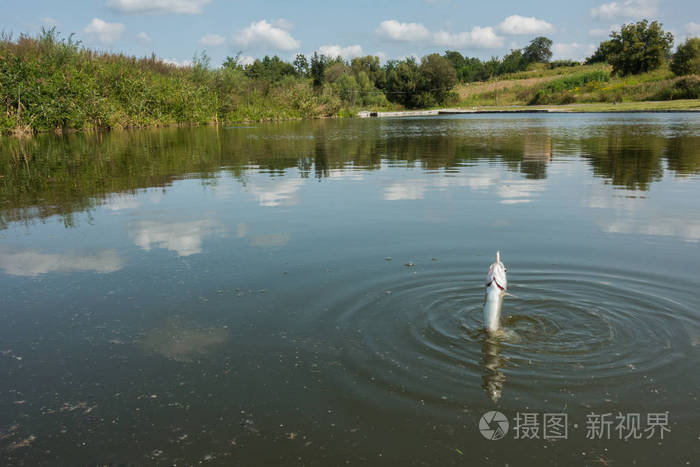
(677, 106)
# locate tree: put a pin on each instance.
(686, 60)
(601, 53)
(270, 69)
(301, 65)
(335, 70)
(318, 68)
(514, 61)
(371, 66)
(455, 58)
(439, 77)
(639, 47)
(403, 81)
(539, 50)
(347, 88)
(473, 70)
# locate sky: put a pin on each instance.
(392, 29)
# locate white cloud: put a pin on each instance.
(104, 32)
(178, 63)
(212, 40)
(32, 263)
(264, 34)
(183, 237)
(572, 50)
(628, 9)
(414, 56)
(603, 32)
(348, 52)
(479, 37)
(524, 25)
(143, 37)
(245, 60)
(382, 56)
(158, 6)
(402, 32)
(50, 22)
(693, 28)
(283, 24)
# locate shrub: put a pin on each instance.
(686, 88)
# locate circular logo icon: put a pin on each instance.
(493, 425)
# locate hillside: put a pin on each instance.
(584, 84)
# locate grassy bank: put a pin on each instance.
(585, 84)
(53, 84)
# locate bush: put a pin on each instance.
(563, 63)
(558, 90)
(686, 88)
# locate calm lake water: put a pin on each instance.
(310, 293)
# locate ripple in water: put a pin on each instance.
(419, 336)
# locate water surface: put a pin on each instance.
(310, 293)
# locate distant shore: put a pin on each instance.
(685, 105)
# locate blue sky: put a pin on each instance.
(176, 29)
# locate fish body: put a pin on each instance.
(496, 286)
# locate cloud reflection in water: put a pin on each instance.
(32, 262)
(185, 238)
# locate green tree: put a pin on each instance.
(473, 70)
(335, 70)
(601, 54)
(317, 69)
(639, 47)
(438, 77)
(369, 65)
(403, 81)
(538, 51)
(270, 69)
(455, 58)
(347, 88)
(686, 60)
(514, 61)
(301, 65)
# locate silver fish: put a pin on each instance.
(496, 287)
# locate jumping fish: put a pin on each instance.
(496, 286)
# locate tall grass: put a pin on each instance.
(49, 83)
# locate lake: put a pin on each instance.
(311, 293)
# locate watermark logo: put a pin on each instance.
(493, 425)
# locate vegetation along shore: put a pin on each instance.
(53, 83)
